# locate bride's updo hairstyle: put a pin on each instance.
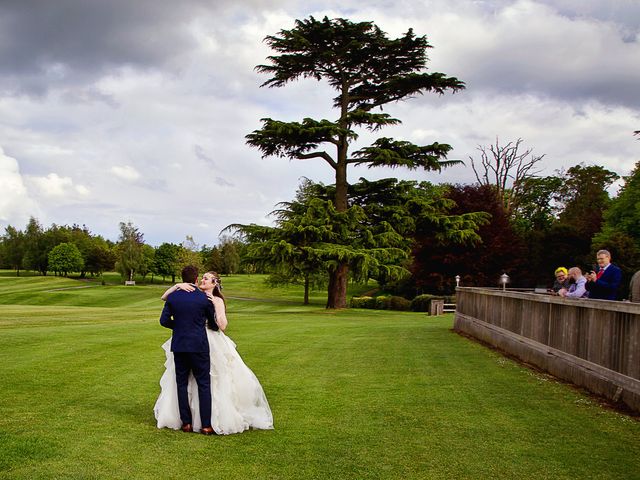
(217, 285)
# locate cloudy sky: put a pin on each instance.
(136, 111)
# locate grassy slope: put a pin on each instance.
(355, 394)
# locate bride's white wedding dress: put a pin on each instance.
(237, 399)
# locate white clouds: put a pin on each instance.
(125, 172)
(52, 185)
(82, 190)
(526, 46)
(55, 186)
(152, 129)
(15, 203)
(567, 134)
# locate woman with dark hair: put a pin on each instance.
(237, 399)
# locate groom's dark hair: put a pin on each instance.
(189, 274)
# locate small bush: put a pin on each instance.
(391, 302)
(399, 303)
(363, 302)
(383, 302)
(421, 303)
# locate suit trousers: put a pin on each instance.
(199, 364)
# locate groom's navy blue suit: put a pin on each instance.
(186, 313)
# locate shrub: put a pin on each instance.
(392, 302)
(363, 302)
(399, 303)
(383, 302)
(421, 303)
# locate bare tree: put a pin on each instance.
(505, 168)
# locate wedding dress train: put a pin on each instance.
(237, 398)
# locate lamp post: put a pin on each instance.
(457, 281)
(504, 279)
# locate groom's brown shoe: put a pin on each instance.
(207, 431)
(187, 428)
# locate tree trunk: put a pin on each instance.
(337, 294)
(306, 290)
(341, 200)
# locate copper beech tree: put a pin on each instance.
(367, 71)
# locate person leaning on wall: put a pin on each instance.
(604, 280)
(561, 281)
(577, 287)
(634, 288)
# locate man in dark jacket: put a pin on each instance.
(186, 313)
(604, 281)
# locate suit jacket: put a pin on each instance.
(634, 287)
(606, 287)
(186, 313)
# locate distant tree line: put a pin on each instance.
(62, 250)
(411, 237)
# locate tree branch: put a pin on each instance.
(324, 155)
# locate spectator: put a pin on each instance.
(634, 287)
(604, 281)
(577, 285)
(561, 281)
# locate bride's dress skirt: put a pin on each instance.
(237, 399)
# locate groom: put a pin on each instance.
(186, 313)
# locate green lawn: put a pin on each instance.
(356, 394)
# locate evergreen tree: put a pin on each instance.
(367, 70)
(35, 248)
(373, 237)
(13, 244)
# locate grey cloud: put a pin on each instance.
(223, 183)
(44, 43)
(88, 96)
(157, 185)
(202, 155)
(541, 49)
(625, 13)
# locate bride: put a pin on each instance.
(237, 399)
